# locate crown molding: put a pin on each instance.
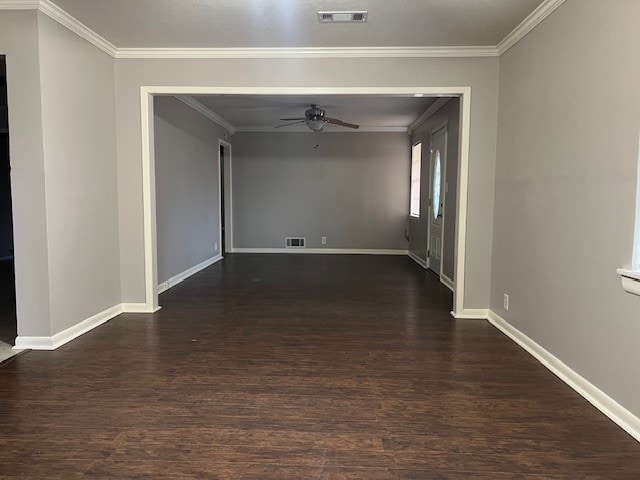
(304, 129)
(545, 9)
(63, 18)
(207, 112)
(19, 4)
(316, 52)
(437, 105)
(56, 13)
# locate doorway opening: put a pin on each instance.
(443, 94)
(226, 199)
(8, 322)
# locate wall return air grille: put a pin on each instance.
(342, 17)
(295, 242)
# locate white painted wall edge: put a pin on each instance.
(417, 259)
(472, 314)
(447, 282)
(65, 336)
(53, 342)
(181, 277)
(327, 251)
(137, 308)
(630, 279)
(603, 402)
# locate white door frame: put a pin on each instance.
(228, 219)
(148, 164)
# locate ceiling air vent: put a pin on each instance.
(342, 17)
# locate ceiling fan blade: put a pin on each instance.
(290, 119)
(292, 123)
(335, 121)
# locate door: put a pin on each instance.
(223, 249)
(437, 168)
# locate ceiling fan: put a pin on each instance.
(315, 120)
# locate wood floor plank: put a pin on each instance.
(300, 367)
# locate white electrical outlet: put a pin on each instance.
(324, 240)
(215, 246)
(506, 301)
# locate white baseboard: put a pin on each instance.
(53, 342)
(181, 277)
(603, 402)
(472, 314)
(137, 308)
(420, 261)
(447, 282)
(326, 251)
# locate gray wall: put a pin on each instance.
(64, 179)
(481, 74)
(565, 190)
(19, 42)
(450, 112)
(352, 188)
(187, 190)
(78, 122)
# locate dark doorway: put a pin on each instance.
(8, 330)
(223, 249)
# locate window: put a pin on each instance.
(416, 165)
(631, 276)
(437, 184)
(636, 244)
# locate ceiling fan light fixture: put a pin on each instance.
(315, 125)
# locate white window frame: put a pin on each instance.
(631, 276)
(414, 209)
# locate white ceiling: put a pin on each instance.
(293, 23)
(365, 110)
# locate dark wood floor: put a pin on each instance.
(300, 367)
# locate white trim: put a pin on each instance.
(461, 203)
(19, 4)
(148, 180)
(599, 399)
(149, 201)
(53, 342)
(228, 219)
(420, 261)
(533, 19)
(472, 314)
(424, 116)
(207, 112)
(304, 129)
(311, 52)
(68, 21)
(137, 308)
(181, 277)
(326, 251)
(630, 280)
(63, 18)
(447, 282)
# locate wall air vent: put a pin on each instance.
(342, 17)
(295, 242)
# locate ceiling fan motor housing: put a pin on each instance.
(314, 113)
